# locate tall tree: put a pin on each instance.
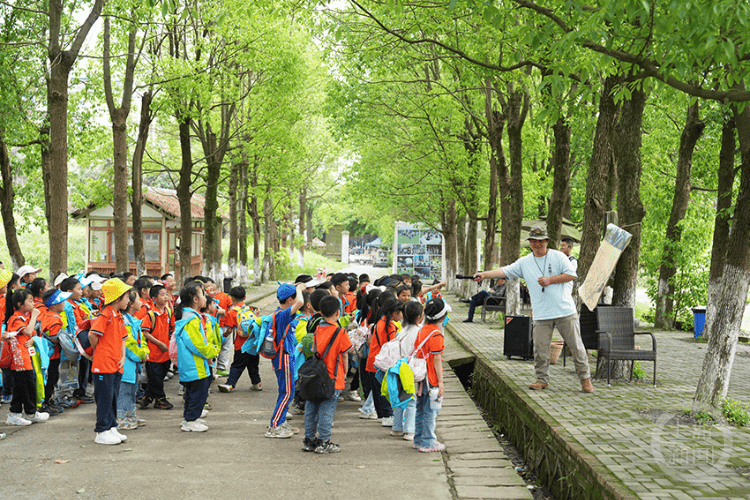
(62, 54)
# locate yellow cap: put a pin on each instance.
(5, 277)
(114, 289)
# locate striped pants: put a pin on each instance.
(285, 378)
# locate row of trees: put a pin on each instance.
(470, 112)
(229, 102)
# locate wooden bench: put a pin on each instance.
(494, 303)
(617, 340)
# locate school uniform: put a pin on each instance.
(110, 328)
(319, 414)
(242, 360)
(24, 381)
(193, 352)
(379, 338)
(424, 428)
(283, 364)
(51, 324)
(159, 325)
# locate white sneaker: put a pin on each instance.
(116, 433)
(225, 388)
(16, 419)
(368, 416)
(106, 438)
(256, 387)
(387, 422)
(289, 415)
(194, 426)
(204, 413)
(38, 417)
(353, 396)
(200, 420)
(408, 436)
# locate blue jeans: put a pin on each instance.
(404, 418)
(106, 391)
(126, 399)
(424, 428)
(368, 406)
(319, 417)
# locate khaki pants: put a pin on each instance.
(570, 329)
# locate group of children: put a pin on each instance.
(133, 334)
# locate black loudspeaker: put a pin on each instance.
(519, 340)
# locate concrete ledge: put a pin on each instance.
(564, 466)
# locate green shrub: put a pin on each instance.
(638, 372)
(735, 412)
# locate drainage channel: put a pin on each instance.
(463, 368)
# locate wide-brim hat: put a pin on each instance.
(24, 270)
(58, 297)
(113, 289)
(537, 233)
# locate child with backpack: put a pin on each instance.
(158, 326)
(332, 345)
(135, 354)
(242, 360)
(50, 325)
(107, 337)
(20, 321)
(284, 342)
(403, 418)
(429, 346)
(194, 350)
(385, 330)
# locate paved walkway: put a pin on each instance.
(653, 460)
(59, 459)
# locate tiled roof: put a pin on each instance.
(165, 200)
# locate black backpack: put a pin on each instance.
(314, 382)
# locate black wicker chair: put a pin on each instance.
(617, 339)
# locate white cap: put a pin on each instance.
(60, 278)
(24, 270)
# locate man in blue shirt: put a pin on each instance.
(546, 273)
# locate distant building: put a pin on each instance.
(161, 234)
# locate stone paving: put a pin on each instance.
(652, 460)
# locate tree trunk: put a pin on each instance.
(461, 244)
(449, 234)
(137, 182)
(596, 185)
(185, 199)
(7, 203)
(242, 221)
(471, 245)
(55, 169)
(211, 267)
(271, 241)
(119, 118)
(516, 107)
(717, 365)
(255, 216)
(630, 209)
(495, 125)
(560, 180)
(301, 226)
(664, 314)
(721, 222)
(233, 228)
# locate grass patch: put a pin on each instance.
(735, 412)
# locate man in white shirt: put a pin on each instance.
(547, 273)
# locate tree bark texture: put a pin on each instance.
(627, 152)
(184, 196)
(144, 126)
(301, 226)
(664, 314)
(515, 108)
(270, 241)
(449, 224)
(255, 217)
(118, 115)
(722, 345)
(242, 221)
(56, 176)
(721, 221)
(560, 179)
(7, 204)
(595, 204)
(233, 228)
(495, 125)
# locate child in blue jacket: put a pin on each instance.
(194, 350)
(136, 351)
